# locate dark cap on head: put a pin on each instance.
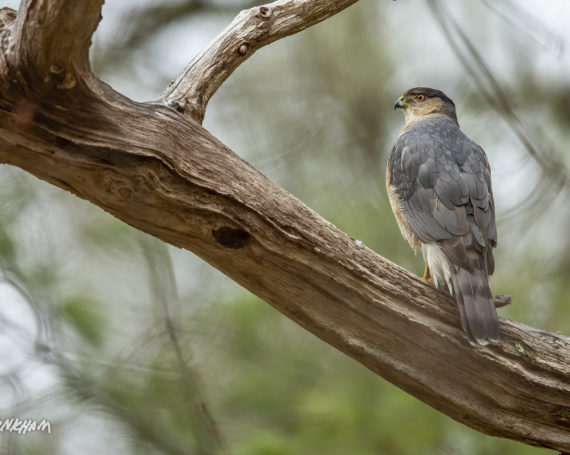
(429, 93)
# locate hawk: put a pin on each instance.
(439, 186)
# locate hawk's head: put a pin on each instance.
(421, 101)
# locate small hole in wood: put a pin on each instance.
(231, 238)
(264, 12)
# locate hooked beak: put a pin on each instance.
(399, 104)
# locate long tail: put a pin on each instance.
(476, 305)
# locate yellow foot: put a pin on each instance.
(427, 276)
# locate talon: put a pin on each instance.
(502, 300)
(427, 275)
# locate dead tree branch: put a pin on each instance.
(250, 30)
(161, 172)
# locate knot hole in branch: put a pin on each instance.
(264, 12)
(61, 79)
(231, 238)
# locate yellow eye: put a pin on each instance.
(420, 97)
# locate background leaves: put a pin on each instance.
(128, 345)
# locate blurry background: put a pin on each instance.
(128, 345)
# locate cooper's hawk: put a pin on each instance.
(439, 185)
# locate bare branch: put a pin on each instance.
(249, 31)
(168, 177)
(56, 34)
(144, 23)
(150, 167)
(45, 52)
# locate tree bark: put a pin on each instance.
(155, 167)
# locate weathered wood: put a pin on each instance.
(250, 30)
(155, 169)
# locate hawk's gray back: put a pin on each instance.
(440, 180)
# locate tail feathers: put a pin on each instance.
(476, 306)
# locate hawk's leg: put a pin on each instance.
(427, 275)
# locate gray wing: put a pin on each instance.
(443, 181)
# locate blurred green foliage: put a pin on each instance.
(139, 348)
(82, 315)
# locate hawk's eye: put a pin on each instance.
(420, 97)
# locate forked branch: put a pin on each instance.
(164, 174)
(250, 30)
